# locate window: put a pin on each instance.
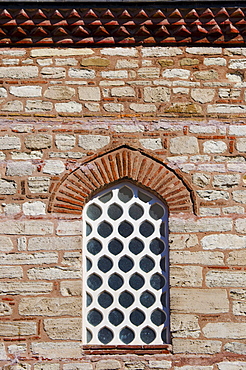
(126, 285)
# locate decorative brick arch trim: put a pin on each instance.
(74, 190)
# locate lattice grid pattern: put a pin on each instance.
(126, 268)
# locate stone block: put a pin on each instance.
(93, 142)
(46, 366)
(189, 62)
(21, 243)
(233, 330)
(239, 196)
(231, 365)
(237, 64)
(38, 106)
(149, 72)
(38, 184)
(34, 208)
(204, 50)
(215, 62)
(212, 146)
(81, 73)
(28, 259)
(184, 145)
(151, 144)
(9, 142)
(7, 187)
(237, 258)
(92, 107)
(6, 244)
(53, 72)
(226, 181)
(156, 94)
(166, 62)
(71, 107)
(239, 308)
(44, 62)
(199, 301)
(55, 243)
(65, 141)
(34, 154)
(17, 349)
(160, 364)
(64, 328)
(113, 107)
(143, 108)
(201, 179)
(226, 108)
(66, 62)
(206, 75)
(89, 93)
(17, 328)
(124, 52)
(57, 350)
(209, 211)
(13, 106)
(38, 141)
(23, 288)
(240, 225)
(196, 258)
(211, 195)
(235, 209)
(181, 90)
(5, 310)
(114, 74)
(126, 63)
(196, 346)
(18, 366)
(19, 72)
(169, 51)
(182, 241)
(229, 93)
(187, 108)
(236, 347)
(26, 91)
(78, 366)
(59, 92)
(108, 365)
(54, 167)
(94, 62)
(20, 168)
(176, 73)
(225, 278)
(223, 241)
(124, 91)
(71, 288)
(202, 95)
(10, 272)
(195, 367)
(53, 273)
(184, 276)
(185, 326)
(46, 306)
(55, 52)
(178, 225)
(241, 145)
(69, 228)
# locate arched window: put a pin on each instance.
(125, 254)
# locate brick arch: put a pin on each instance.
(74, 190)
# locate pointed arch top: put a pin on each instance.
(74, 190)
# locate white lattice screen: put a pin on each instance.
(125, 268)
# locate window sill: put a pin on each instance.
(126, 349)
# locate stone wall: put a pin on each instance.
(61, 109)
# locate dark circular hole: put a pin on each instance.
(105, 264)
(115, 247)
(88, 300)
(94, 282)
(156, 211)
(105, 299)
(146, 229)
(137, 317)
(115, 211)
(88, 229)
(136, 246)
(126, 335)
(94, 246)
(126, 264)
(125, 194)
(136, 211)
(157, 246)
(126, 299)
(88, 264)
(147, 335)
(104, 229)
(106, 197)
(115, 281)
(147, 299)
(158, 317)
(136, 281)
(125, 229)
(157, 281)
(93, 212)
(116, 317)
(94, 317)
(105, 335)
(147, 264)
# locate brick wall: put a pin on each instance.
(180, 109)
